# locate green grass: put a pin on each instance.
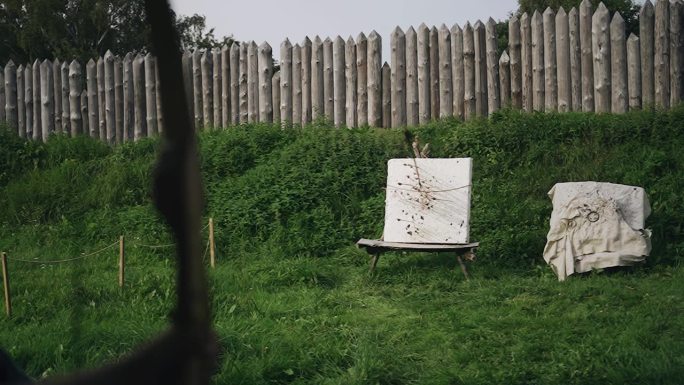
(292, 298)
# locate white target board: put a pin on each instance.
(428, 200)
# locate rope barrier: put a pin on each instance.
(63, 260)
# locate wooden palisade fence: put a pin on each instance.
(579, 60)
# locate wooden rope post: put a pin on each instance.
(122, 261)
(5, 283)
(212, 253)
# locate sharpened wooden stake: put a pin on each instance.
(122, 261)
(212, 250)
(5, 284)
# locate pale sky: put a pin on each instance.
(274, 20)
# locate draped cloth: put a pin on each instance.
(596, 225)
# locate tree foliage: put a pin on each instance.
(80, 29)
(627, 8)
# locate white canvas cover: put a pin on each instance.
(428, 200)
(596, 225)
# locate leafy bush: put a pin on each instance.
(309, 192)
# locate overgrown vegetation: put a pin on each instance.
(293, 301)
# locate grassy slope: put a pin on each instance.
(292, 299)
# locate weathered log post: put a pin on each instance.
(585, 22)
(386, 95)
(601, 48)
(140, 130)
(46, 99)
(37, 114)
(197, 89)
(647, 43)
(424, 88)
(110, 115)
(398, 76)
(207, 65)
(676, 52)
(158, 97)
(118, 101)
(3, 100)
(514, 52)
(457, 69)
(64, 93)
(21, 106)
(339, 83)
(505, 79)
(317, 96)
(434, 73)
(285, 106)
(550, 64)
(235, 84)
(526, 63)
(661, 62)
(538, 83)
(217, 89)
(469, 98)
(493, 91)
(102, 113)
(351, 77)
(150, 97)
(362, 79)
(265, 64)
(28, 97)
(243, 85)
(307, 57)
(11, 95)
(634, 72)
(480, 39)
(226, 117)
(446, 86)
(563, 62)
(375, 96)
(411, 77)
(575, 61)
(128, 101)
(275, 97)
(297, 84)
(57, 95)
(75, 87)
(328, 80)
(93, 107)
(84, 110)
(618, 68)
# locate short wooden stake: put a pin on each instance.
(5, 283)
(212, 253)
(122, 261)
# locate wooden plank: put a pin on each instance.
(435, 247)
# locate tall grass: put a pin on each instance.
(292, 299)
